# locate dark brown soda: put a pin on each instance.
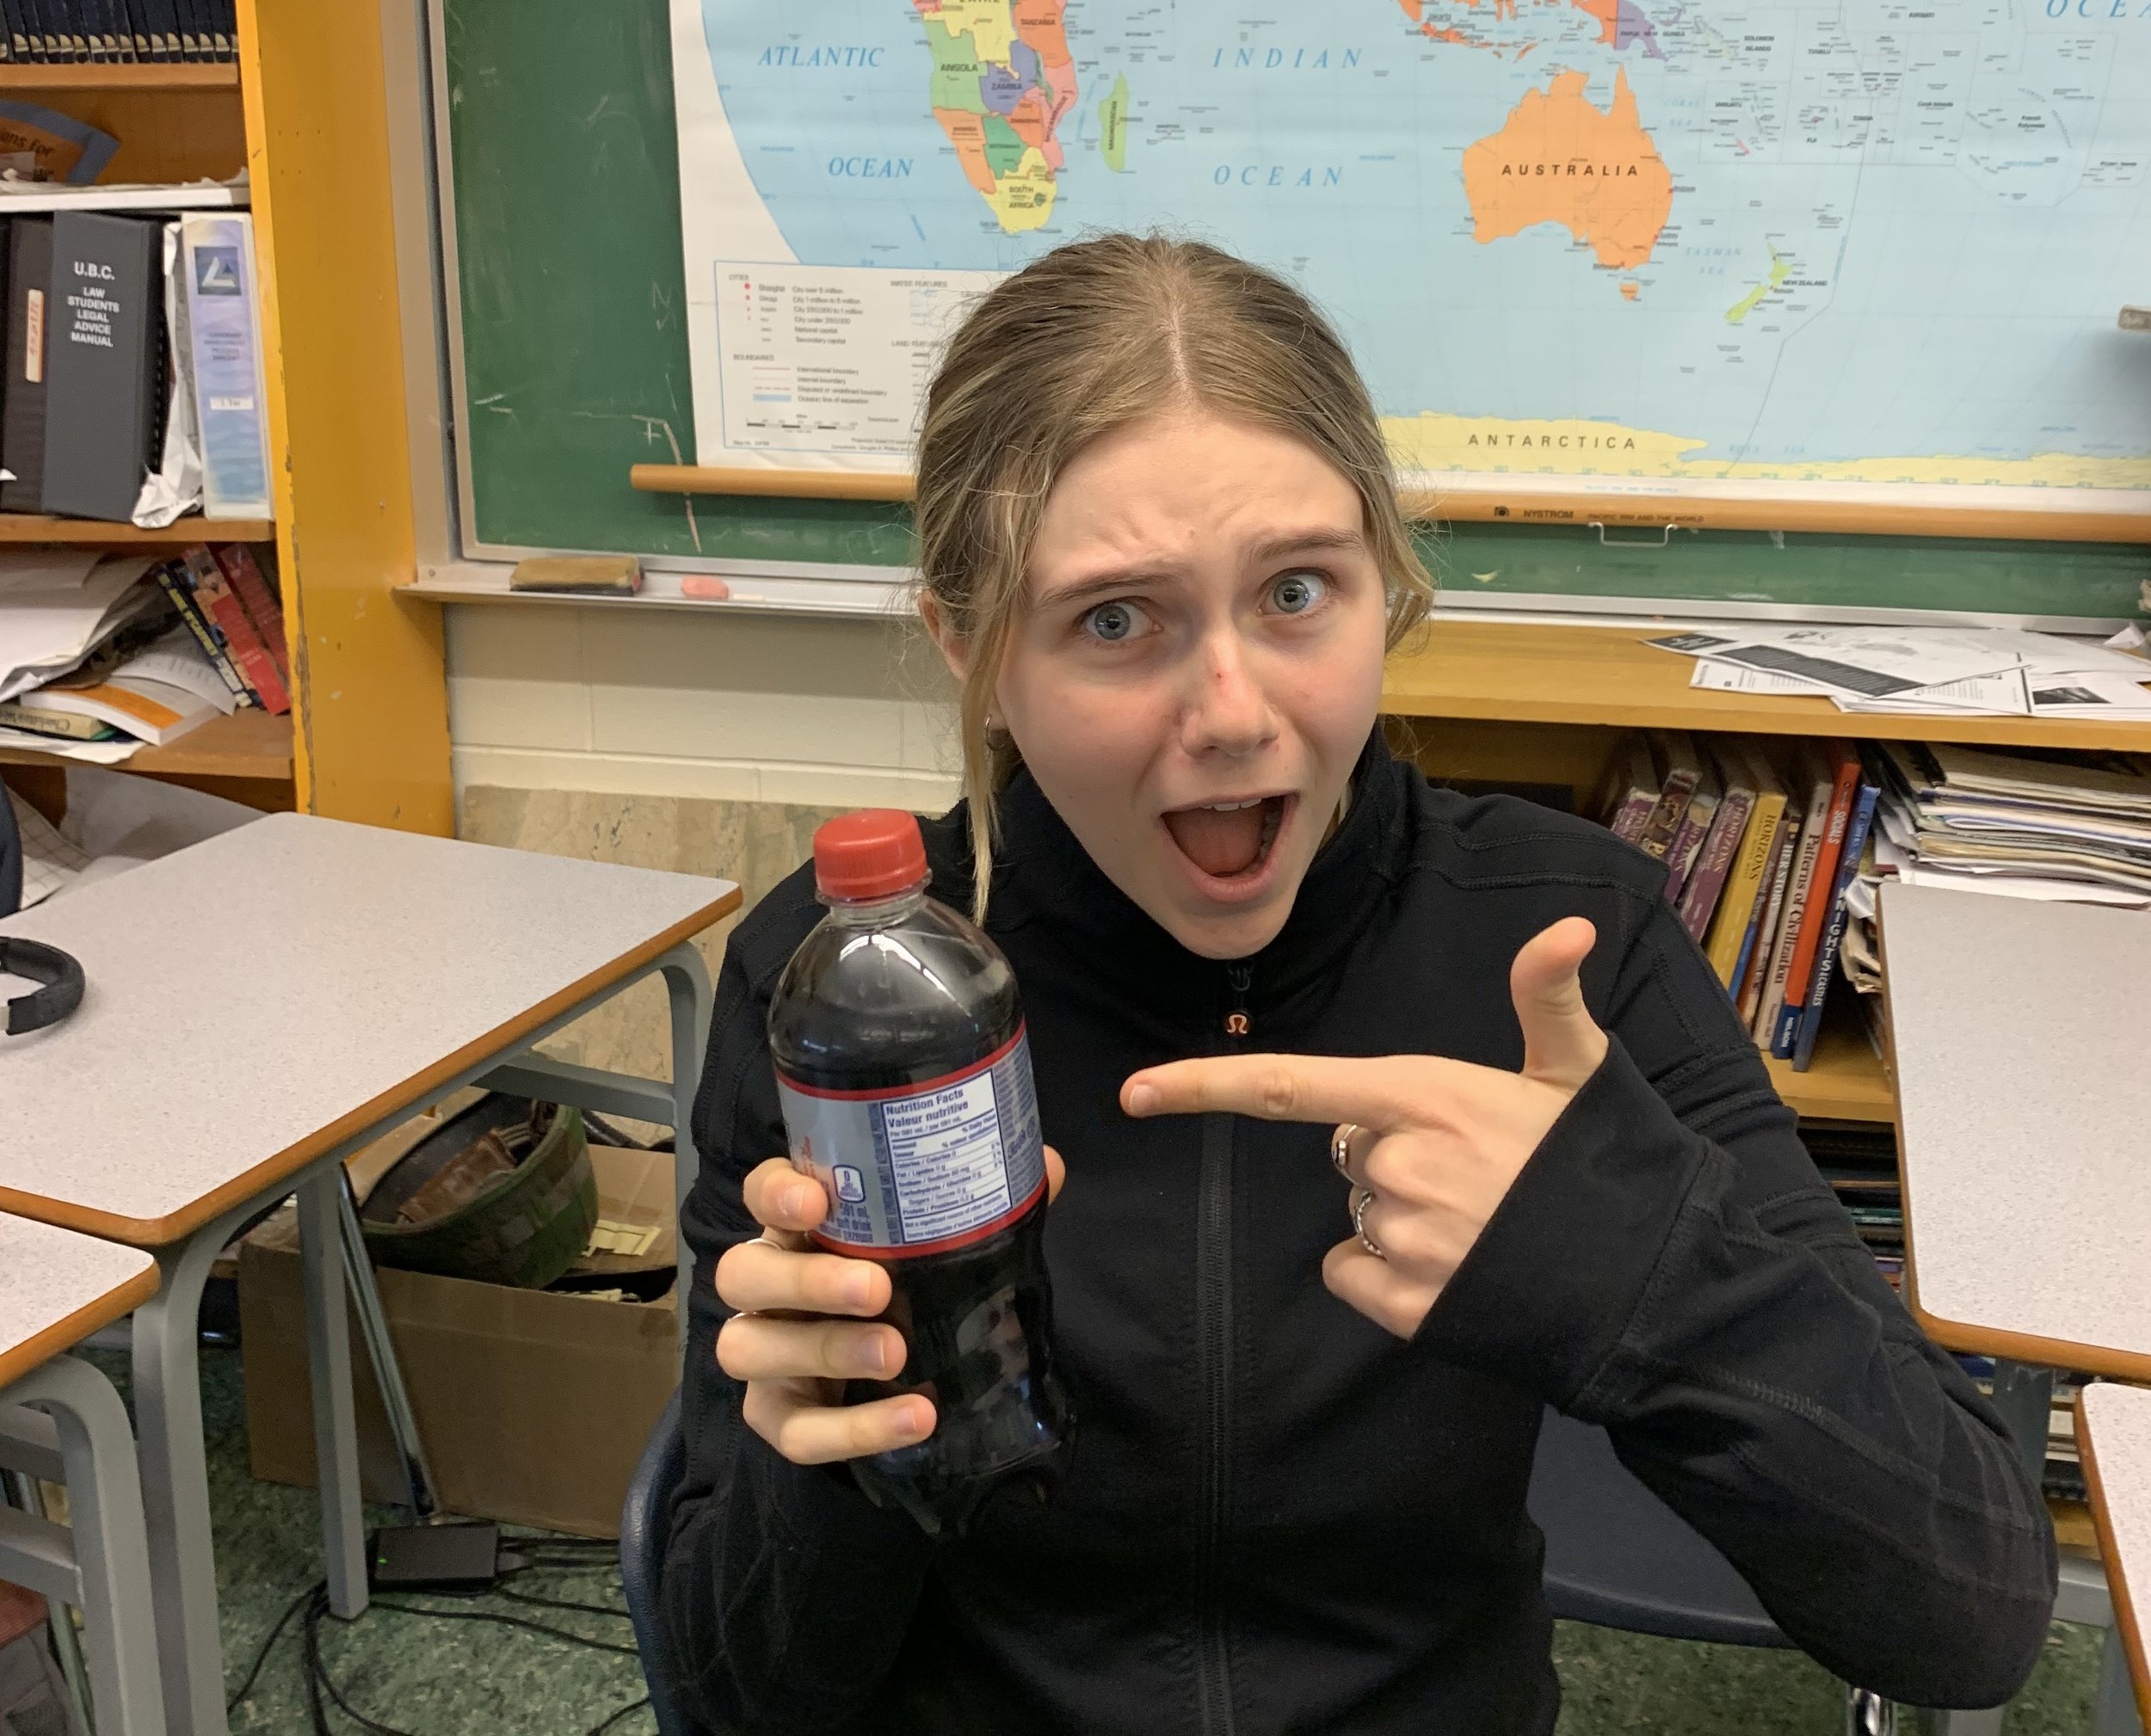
(904, 991)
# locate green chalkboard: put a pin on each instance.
(575, 366)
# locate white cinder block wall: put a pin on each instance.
(669, 702)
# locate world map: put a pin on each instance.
(1731, 242)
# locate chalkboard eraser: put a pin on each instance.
(609, 576)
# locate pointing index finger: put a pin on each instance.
(1381, 1091)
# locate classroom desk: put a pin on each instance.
(2113, 1433)
(56, 1289)
(259, 1007)
(2016, 1030)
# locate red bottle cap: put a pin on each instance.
(873, 853)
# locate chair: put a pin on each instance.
(643, 1523)
(1617, 1556)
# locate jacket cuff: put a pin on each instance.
(822, 1512)
(1550, 1286)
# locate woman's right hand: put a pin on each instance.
(806, 1324)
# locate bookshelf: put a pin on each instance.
(1522, 703)
(93, 75)
(304, 111)
(35, 527)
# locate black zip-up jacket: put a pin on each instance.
(1280, 1518)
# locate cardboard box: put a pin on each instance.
(533, 1405)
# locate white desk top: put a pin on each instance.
(58, 1286)
(261, 995)
(2114, 1430)
(2022, 1034)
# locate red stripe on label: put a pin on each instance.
(947, 1244)
(884, 1094)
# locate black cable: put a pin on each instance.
(631, 1706)
(563, 1603)
(261, 1657)
(501, 1620)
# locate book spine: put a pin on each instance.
(257, 667)
(1728, 828)
(1811, 828)
(171, 578)
(229, 399)
(1634, 814)
(1737, 902)
(1856, 830)
(22, 416)
(69, 724)
(1815, 915)
(1664, 818)
(103, 410)
(1687, 842)
(258, 600)
(1775, 878)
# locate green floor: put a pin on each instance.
(464, 1678)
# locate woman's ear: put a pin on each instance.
(955, 652)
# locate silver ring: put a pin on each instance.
(1340, 1148)
(1358, 1223)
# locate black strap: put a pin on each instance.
(61, 975)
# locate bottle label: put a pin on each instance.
(922, 1168)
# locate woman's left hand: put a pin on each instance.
(1438, 1142)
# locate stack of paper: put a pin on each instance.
(57, 606)
(1924, 671)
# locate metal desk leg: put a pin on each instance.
(687, 983)
(329, 1362)
(176, 1482)
(2114, 1711)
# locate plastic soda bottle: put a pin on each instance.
(906, 1084)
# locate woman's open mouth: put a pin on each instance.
(1230, 841)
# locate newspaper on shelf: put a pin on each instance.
(1924, 671)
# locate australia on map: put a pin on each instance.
(1873, 249)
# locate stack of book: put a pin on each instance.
(134, 387)
(45, 30)
(2014, 823)
(136, 654)
(1760, 845)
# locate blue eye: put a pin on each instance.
(1295, 594)
(1111, 622)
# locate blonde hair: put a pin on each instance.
(1090, 338)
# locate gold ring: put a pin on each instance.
(1340, 1148)
(1358, 1223)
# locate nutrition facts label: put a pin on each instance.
(926, 1168)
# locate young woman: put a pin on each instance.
(1162, 553)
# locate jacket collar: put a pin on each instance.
(1044, 880)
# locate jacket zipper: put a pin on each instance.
(1213, 1310)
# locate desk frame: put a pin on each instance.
(167, 1369)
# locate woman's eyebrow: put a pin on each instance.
(1294, 542)
(1163, 572)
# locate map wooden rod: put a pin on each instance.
(1581, 509)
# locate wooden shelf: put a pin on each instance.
(120, 74)
(1847, 1080)
(1607, 676)
(36, 527)
(249, 744)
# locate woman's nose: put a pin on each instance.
(1228, 711)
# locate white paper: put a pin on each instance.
(2000, 695)
(52, 568)
(113, 753)
(174, 487)
(2092, 694)
(177, 661)
(1861, 662)
(45, 633)
(49, 860)
(1735, 678)
(114, 813)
